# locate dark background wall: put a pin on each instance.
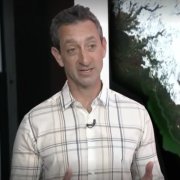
(38, 74)
(26, 43)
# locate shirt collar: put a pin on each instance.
(103, 95)
(67, 98)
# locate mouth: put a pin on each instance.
(86, 70)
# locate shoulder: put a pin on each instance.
(42, 114)
(122, 100)
(130, 112)
(47, 106)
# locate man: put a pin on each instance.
(85, 131)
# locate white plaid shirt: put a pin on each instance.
(54, 136)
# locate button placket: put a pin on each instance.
(91, 152)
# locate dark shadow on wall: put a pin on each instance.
(4, 145)
(38, 74)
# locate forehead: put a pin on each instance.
(78, 32)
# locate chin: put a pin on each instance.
(86, 83)
(89, 83)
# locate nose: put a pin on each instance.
(85, 58)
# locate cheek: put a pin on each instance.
(70, 65)
(99, 65)
(69, 68)
(100, 61)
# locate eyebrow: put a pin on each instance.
(70, 41)
(74, 41)
(90, 38)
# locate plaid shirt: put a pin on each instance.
(54, 136)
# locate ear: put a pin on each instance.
(57, 56)
(104, 43)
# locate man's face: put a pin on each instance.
(82, 53)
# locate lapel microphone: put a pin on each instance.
(91, 124)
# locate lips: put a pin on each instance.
(86, 70)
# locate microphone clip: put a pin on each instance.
(92, 124)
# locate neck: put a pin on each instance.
(85, 95)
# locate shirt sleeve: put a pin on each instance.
(26, 162)
(146, 152)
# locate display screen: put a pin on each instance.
(145, 59)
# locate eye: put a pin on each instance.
(71, 51)
(92, 46)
